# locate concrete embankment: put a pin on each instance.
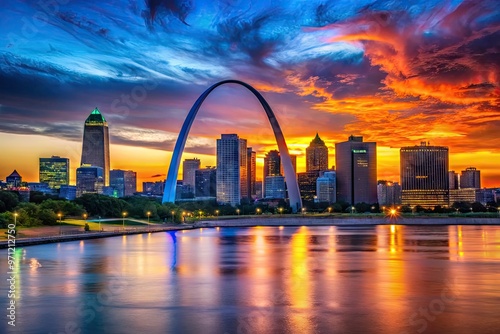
(22, 242)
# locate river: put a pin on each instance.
(380, 279)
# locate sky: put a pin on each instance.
(394, 72)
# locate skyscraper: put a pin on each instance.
(272, 167)
(424, 175)
(251, 171)
(326, 187)
(470, 178)
(206, 182)
(275, 186)
(54, 171)
(388, 193)
(307, 185)
(189, 167)
(89, 179)
(244, 191)
(356, 163)
(316, 155)
(453, 180)
(123, 182)
(95, 150)
(230, 173)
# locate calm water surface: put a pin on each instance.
(384, 279)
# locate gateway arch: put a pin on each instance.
(173, 170)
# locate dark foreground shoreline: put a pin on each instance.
(262, 221)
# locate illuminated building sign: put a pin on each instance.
(358, 151)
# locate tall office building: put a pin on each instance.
(453, 180)
(54, 171)
(307, 185)
(316, 155)
(356, 163)
(206, 182)
(89, 179)
(275, 186)
(123, 182)
(251, 171)
(388, 193)
(326, 187)
(95, 150)
(244, 191)
(231, 169)
(189, 167)
(424, 175)
(272, 167)
(470, 178)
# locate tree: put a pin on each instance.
(9, 200)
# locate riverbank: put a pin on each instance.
(75, 236)
(259, 221)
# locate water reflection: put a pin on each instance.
(266, 280)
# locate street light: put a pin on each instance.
(85, 217)
(281, 211)
(217, 213)
(60, 222)
(173, 213)
(258, 210)
(303, 211)
(123, 219)
(238, 211)
(15, 218)
(329, 210)
(149, 214)
(352, 210)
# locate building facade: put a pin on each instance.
(316, 155)
(230, 173)
(388, 193)
(244, 191)
(153, 188)
(326, 189)
(307, 185)
(89, 179)
(95, 149)
(275, 186)
(123, 182)
(356, 167)
(453, 180)
(54, 171)
(206, 182)
(424, 175)
(189, 167)
(14, 180)
(251, 171)
(470, 178)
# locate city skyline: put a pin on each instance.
(396, 74)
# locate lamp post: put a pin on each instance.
(329, 210)
(257, 210)
(15, 221)
(60, 222)
(149, 214)
(281, 211)
(123, 219)
(217, 213)
(352, 210)
(85, 217)
(238, 211)
(303, 211)
(173, 213)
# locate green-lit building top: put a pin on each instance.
(95, 118)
